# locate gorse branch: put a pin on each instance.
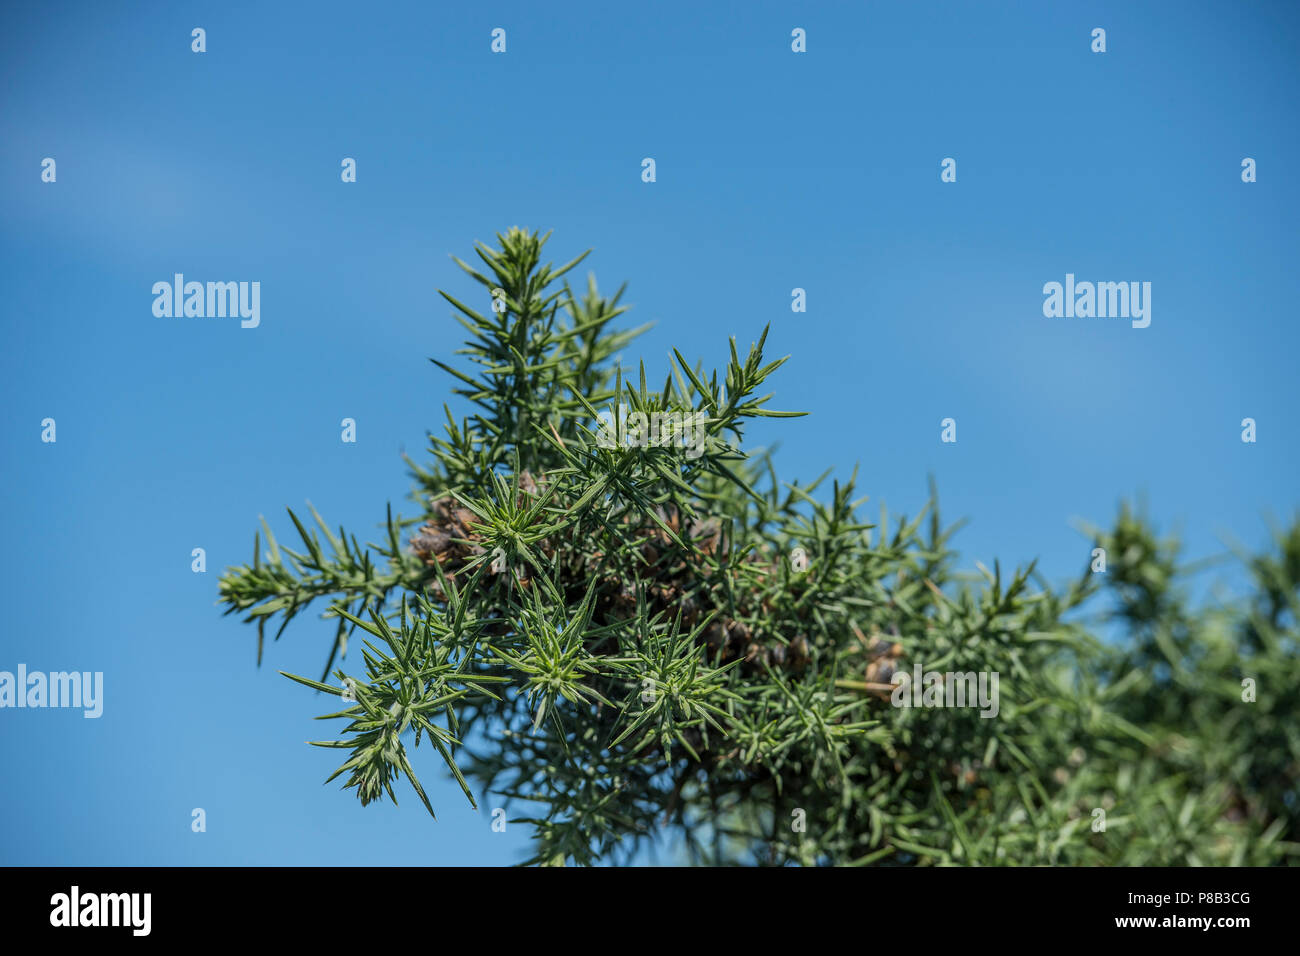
(630, 625)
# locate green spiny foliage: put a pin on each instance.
(626, 629)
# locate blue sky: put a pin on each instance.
(775, 170)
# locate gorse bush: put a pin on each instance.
(640, 637)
